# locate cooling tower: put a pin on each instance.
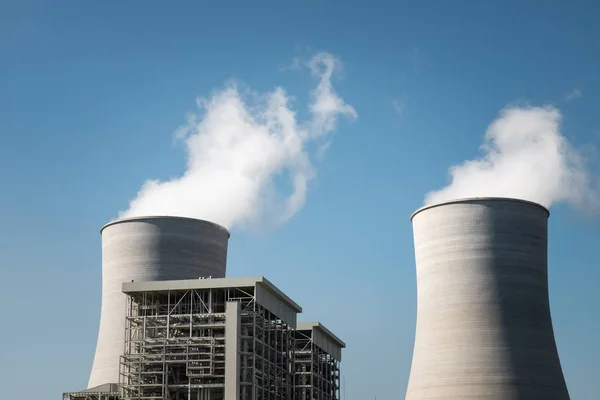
(149, 249)
(484, 329)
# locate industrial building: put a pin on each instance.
(484, 329)
(208, 339)
(318, 353)
(173, 327)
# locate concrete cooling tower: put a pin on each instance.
(149, 249)
(484, 329)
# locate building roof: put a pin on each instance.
(209, 283)
(307, 326)
(110, 388)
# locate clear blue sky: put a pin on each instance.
(91, 92)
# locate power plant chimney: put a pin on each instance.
(484, 329)
(149, 249)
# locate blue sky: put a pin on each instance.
(91, 93)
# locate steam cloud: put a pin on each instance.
(524, 156)
(241, 147)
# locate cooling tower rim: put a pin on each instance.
(473, 199)
(154, 217)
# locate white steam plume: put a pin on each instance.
(239, 147)
(527, 157)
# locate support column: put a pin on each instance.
(232, 351)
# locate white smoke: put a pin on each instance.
(524, 156)
(239, 147)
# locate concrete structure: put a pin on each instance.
(149, 249)
(318, 353)
(484, 329)
(208, 339)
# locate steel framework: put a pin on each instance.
(175, 346)
(316, 372)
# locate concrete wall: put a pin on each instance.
(484, 329)
(326, 343)
(323, 338)
(268, 300)
(149, 249)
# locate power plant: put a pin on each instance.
(174, 327)
(484, 329)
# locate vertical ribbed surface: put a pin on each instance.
(149, 249)
(484, 329)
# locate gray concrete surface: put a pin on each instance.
(233, 332)
(149, 249)
(484, 328)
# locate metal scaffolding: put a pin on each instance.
(211, 339)
(175, 347)
(316, 372)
